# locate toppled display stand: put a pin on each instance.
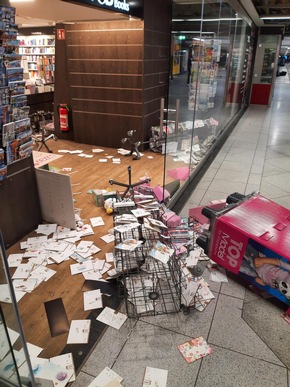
(154, 289)
(151, 287)
(130, 186)
(250, 236)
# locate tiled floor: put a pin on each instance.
(251, 341)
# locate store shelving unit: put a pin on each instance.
(38, 57)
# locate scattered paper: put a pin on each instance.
(4, 345)
(24, 285)
(112, 318)
(108, 238)
(139, 212)
(59, 376)
(193, 258)
(97, 221)
(35, 240)
(93, 300)
(86, 230)
(126, 227)
(23, 271)
(155, 377)
(97, 150)
(161, 252)
(7, 366)
(105, 268)
(33, 350)
(98, 264)
(83, 246)
(105, 377)
(81, 267)
(65, 361)
(55, 246)
(92, 275)
(218, 274)
(195, 349)
(41, 272)
(6, 297)
(94, 250)
(79, 332)
(129, 244)
(75, 152)
(46, 229)
(109, 257)
(14, 260)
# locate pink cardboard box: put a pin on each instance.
(171, 219)
(252, 240)
(160, 193)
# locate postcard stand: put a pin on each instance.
(151, 288)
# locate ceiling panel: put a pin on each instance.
(48, 12)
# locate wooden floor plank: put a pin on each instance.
(86, 174)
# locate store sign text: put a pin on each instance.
(117, 4)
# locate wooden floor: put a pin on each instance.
(86, 174)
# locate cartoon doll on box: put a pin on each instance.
(271, 271)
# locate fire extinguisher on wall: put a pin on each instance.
(63, 110)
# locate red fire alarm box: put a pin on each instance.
(250, 236)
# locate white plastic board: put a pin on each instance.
(56, 199)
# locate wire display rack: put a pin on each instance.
(154, 288)
(151, 287)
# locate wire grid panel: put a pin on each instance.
(153, 289)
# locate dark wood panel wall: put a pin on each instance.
(114, 74)
(20, 211)
(157, 32)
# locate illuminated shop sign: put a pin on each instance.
(129, 7)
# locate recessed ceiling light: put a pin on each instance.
(275, 17)
(21, 1)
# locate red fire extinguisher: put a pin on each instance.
(63, 117)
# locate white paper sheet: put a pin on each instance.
(110, 317)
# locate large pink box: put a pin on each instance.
(252, 239)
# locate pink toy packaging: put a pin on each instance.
(250, 236)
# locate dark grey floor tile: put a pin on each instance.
(264, 317)
(230, 331)
(83, 380)
(225, 368)
(193, 325)
(108, 348)
(152, 346)
(233, 288)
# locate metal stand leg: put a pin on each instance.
(129, 187)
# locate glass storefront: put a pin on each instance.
(15, 365)
(211, 62)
